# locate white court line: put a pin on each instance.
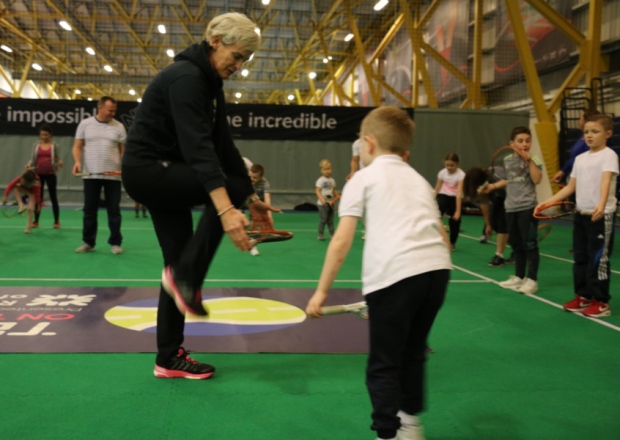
(210, 280)
(544, 300)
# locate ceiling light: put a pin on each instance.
(312, 75)
(291, 97)
(90, 99)
(78, 92)
(170, 53)
(139, 99)
(349, 37)
(265, 2)
(251, 56)
(90, 51)
(161, 28)
(35, 66)
(257, 30)
(380, 5)
(108, 68)
(132, 92)
(6, 48)
(245, 72)
(63, 24)
(325, 60)
(238, 95)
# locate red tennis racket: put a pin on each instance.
(103, 173)
(268, 236)
(543, 231)
(554, 210)
(360, 309)
(507, 157)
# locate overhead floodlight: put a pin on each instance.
(265, 2)
(349, 37)
(78, 92)
(132, 92)
(245, 72)
(312, 75)
(6, 48)
(139, 99)
(108, 68)
(63, 24)
(291, 97)
(90, 99)
(380, 5)
(325, 60)
(90, 51)
(238, 95)
(170, 53)
(161, 28)
(251, 56)
(36, 66)
(257, 30)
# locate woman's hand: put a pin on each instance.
(234, 224)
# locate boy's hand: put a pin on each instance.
(313, 309)
(259, 213)
(598, 212)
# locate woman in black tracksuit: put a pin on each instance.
(180, 154)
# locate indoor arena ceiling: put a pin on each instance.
(298, 37)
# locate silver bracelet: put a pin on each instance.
(219, 214)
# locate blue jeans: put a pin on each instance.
(92, 194)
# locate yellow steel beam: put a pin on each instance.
(7, 78)
(475, 100)
(22, 82)
(558, 21)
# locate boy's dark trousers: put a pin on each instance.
(523, 239)
(169, 192)
(401, 317)
(592, 246)
(326, 217)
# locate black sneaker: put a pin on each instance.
(187, 299)
(484, 239)
(183, 366)
(497, 261)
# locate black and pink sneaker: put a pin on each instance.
(187, 299)
(184, 367)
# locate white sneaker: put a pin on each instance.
(85, 247)
(514, 282)
(254, 251)
(116, 249)
(410, 427)
(529, 287)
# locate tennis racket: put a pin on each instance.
(104, 173)
(510, 156)
(554, 210)
(269, 236)
(12, 211)
(359, 308)
(543, 231)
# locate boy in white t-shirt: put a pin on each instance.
(593, 179)
(327, 194)
(405, 271)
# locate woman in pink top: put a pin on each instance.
(46, 163)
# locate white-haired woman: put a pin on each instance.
(179, 154)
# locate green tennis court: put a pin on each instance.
(506, 366)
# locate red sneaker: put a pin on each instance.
(578, 304)
(597, 310)
(183, 366)
(35, 224)
(187, 299)
(57, 225)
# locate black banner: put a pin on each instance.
(247, 121)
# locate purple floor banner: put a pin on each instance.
(123, 320)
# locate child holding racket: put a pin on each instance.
(405, 271)
(327, 194)
(449, 191)
(523, 173)
(593, 180)
(26, 184)
(262, 188)
(46, 163)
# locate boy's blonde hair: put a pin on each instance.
(234, 28)
(325, 163)
(391, 127)
(602, 119)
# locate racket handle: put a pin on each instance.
(333, 310)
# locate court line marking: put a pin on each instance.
(211, 280)
(536, 297)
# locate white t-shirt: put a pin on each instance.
(327, 185)
(101, 146)
(588, 169)
(401, 221)
(356, 151)
(450, 184)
